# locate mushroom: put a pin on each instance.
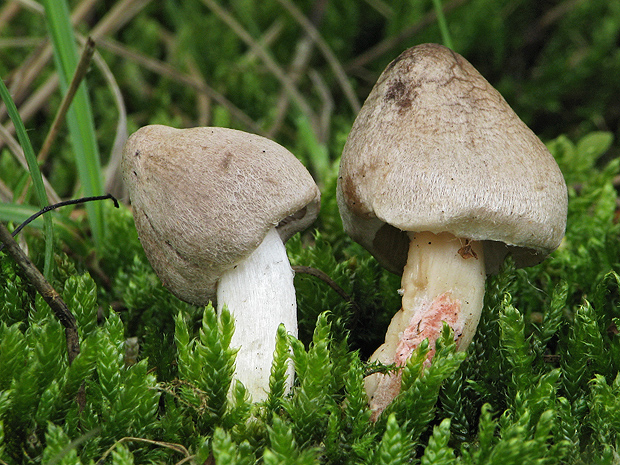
(440, 180)
(213, 208)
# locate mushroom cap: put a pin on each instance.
(436, 148)
(204, 198)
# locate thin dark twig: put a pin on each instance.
(325, 278)
(158, 66)
(393, 41)
(264, 55)
(43, 287)
(169, 445)
(78, 76)
(313, 33)
(60, 204)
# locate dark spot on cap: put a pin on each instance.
(400, 94)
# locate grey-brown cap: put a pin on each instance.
(436, 148)
(204, 198)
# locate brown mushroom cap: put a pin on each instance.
(204, 198)
(436, 148)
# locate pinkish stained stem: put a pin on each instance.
(443, 280)
(425, 324)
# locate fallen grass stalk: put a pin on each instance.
(78, 76)
(32, 104)
(168, 445)
(269, 62)
(33, 65)
(31, 5)
(164, 69)
(303, 53)
(325, 116)
(386, 45)
(18, 153)
(38, 59)
(121, 13)
(8, 12)
(332, 60)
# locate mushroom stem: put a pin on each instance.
(260, 295)
(442, 281)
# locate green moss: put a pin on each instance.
(540, 383)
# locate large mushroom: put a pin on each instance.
(213, 208)
(440, 180)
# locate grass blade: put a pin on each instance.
(79, 116)
(35, 174)
(443, 25)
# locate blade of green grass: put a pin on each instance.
(79, 116)
(35, 174)
(443, 25)
(19, 213)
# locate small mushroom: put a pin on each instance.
(440, 180)
(213, 208)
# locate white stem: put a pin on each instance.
(442, 281)
(260, 295)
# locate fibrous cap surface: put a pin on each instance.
(436, 148)
(204, 198)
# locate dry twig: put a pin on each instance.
(160, 67)
(260, 51)
(326, 50)
(390, 43)
(78, 76)
(43, 287)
